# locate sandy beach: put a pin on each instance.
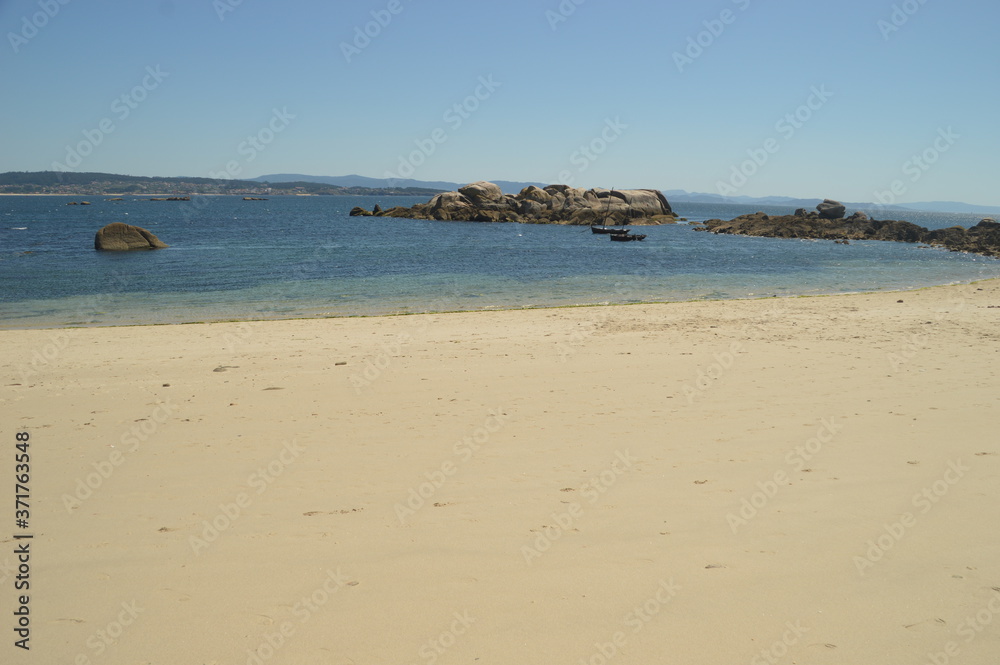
(805, 480)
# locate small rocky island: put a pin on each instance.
(827, 222)
(119, 237)
(555, 204)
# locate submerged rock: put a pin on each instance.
(120, 237)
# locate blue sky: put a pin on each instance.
(595, 94)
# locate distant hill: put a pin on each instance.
(682, 196)
(507, 186)
(86, 183)
(954, 206)
(355, 181)
(92, 184)
(673, 195)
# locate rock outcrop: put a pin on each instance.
(555, 204)
(124, 237)
(984, 238)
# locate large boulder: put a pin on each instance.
(648, 202)
(482, 192)
(120, 237)
(530, 208)
(830, 209)
(533, 193)
(450, 205)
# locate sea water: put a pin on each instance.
(290, 257)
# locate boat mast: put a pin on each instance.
(607, 208)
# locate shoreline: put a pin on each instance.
(498, 308)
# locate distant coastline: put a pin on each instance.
(147, 195)
(71, 183)
(55, 183)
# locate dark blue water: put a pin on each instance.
(304, 256)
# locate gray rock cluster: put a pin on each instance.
(554, 204)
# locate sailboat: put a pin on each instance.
(625, 235)
(604, 228)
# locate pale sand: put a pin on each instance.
(578, 388)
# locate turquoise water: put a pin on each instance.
(304, 257)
